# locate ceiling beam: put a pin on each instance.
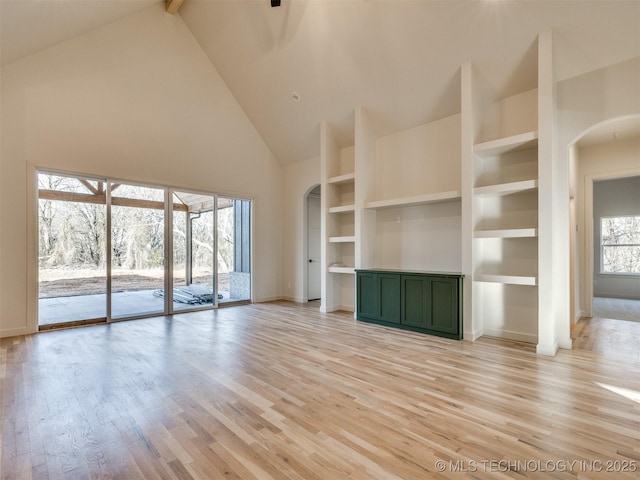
(172, 6)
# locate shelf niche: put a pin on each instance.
(504, 211)
(338, 182)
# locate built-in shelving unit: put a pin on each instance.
(338, 222)
(411, 177)
(459, 193)
(504, 215)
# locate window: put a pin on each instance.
(620, 244)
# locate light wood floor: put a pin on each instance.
(613, 331)
(280, 391)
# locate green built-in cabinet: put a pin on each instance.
(427, 302)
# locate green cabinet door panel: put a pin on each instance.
(443, 302)
(414, 307)
(389, 295)
(367, 297)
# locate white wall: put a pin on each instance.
(299, 179)
(419, 160)
(606, 160)
(420, 238)
(136, 100)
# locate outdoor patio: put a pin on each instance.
(124, 304)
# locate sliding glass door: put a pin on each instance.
(137, 250)
(111, 250)
(72, 255)
(194, 249)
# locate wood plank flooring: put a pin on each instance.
(608, 337)
(281, 391)
(613, 331)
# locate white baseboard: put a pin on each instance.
(335, 308)
(268, 299)
(15, 332)
(548, 350)
(511, 335)
(579, 315)
(566, 344)
(294, 299)
(472, 336)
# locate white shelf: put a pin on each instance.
(506, 188)
(347, 239)
(507, 233)
(507, 279)
(342, 270)
(415, 200)
(523, 141)
(341, 179)
(342, 209)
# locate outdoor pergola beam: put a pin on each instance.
(172, 6)
(89, 187)
(101, 199)
(201, 207)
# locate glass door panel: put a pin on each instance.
(72, 274)
(234, 250)
(138, 246)
(103, 249)
(193, 251)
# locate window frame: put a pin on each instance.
(602, 246)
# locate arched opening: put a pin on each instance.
(605, 211)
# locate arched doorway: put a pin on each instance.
(603, 162)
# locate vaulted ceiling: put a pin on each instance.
(399, 58)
